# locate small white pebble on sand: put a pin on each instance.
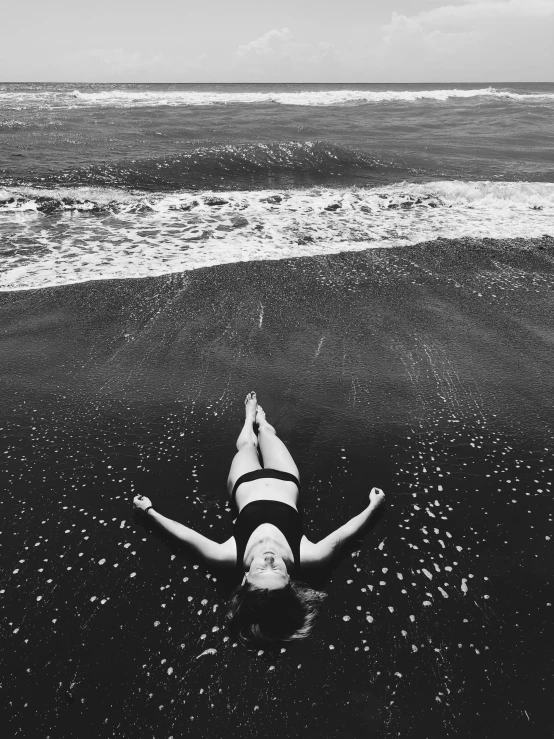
(426, 602)
(101, 562)
(369, 619)
(346, 618)
(133, 574)
(331, 646)
(170, 670)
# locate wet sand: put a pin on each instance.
(427, 371)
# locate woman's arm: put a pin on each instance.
(210, 551)
(317, 555)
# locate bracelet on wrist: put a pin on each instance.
(148, 509)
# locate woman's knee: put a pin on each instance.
(268, 429)
(245, 443)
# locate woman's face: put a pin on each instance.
(268, 570)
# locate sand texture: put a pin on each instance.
(427, 371)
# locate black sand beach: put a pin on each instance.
(426, 371)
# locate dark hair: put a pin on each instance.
(260, 617)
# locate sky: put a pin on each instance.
(277, 41)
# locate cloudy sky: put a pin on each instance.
(284, 40)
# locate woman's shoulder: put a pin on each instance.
(226, 555)
(315, 554)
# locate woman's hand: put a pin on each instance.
(376, 497)
(141, 502)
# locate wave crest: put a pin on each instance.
(236, 165)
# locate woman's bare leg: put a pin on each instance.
(274, 453)
(246, 459)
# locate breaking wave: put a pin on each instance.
(68, 235)
(117, 98)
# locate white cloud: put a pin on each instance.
(475, 11)
(273, 42)
(277, 55)
(472, 40)
(471, 15)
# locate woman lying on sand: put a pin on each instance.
(268, 543)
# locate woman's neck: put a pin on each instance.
(262, 541)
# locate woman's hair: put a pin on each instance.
(259, 617)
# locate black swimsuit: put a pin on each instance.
(283, 516)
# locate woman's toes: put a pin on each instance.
(250, 406)
(260, 414)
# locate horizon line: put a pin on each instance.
(244, 82)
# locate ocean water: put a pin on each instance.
(118, 181)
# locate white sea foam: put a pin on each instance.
(147, 98)
(107, 234)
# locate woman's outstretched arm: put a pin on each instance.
(319, 554)
(210, 551)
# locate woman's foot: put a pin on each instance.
(260, 416)
(248, 436)
(250, 407)
(248, 432)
